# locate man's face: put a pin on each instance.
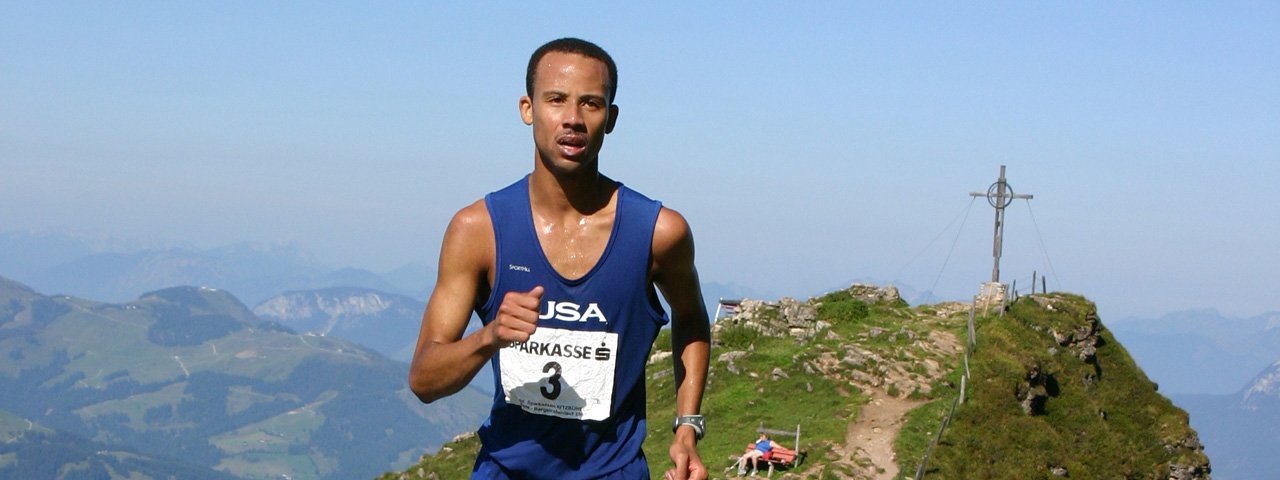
(570, 110)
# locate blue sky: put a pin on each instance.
(809, 144)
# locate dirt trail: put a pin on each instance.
(871, 436)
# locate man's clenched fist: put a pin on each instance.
(517, 317)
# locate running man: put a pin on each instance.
(564, 267)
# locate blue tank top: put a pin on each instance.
(764, 446)
(570, 402)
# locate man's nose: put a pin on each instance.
(573, 116)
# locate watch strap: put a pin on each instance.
(697, 422)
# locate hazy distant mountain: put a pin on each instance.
(385, 322)
(252, 272)
(1201, 358)
(191, 374)
(31, 450)
(414, 279)
(27, 253)
(1241, 432)
(382, 321)
(1201, 351)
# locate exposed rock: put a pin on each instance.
(948, 309)
(785, 318)
(865, 378)
(1033, 392)
(797, 313)
(874, 294)
(1189, 442)
(1179, 471)
(1046, 302)
(778, 374)
(1082, 341)
(659, 356)
(730, 357)
(853, 357)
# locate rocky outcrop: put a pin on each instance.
(1033, 392)
(903, 359)
(874, 294)
(1178, 471)
(1082, 340)
(784, 318)
(793, 318)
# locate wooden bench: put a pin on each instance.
(779, 457)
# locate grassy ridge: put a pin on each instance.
(818, 387)
(1093, 413)
(1098, 417)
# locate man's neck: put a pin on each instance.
(584, 193)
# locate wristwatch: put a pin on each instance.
(696, 421)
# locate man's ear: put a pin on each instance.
(526, 110)
(613, 119)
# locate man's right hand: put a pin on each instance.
(517, 317)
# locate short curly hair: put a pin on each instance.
(572, 45)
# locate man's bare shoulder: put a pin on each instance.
(472, 219)
(469, 238)
(671, 232)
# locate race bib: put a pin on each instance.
(561, 373)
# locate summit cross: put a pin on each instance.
(999, 195)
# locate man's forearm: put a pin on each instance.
(691, 352)
(443, 369)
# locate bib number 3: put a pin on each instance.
(554, 380)
(561, 373)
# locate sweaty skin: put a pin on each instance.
(573, 209)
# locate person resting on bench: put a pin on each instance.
(763, 451)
